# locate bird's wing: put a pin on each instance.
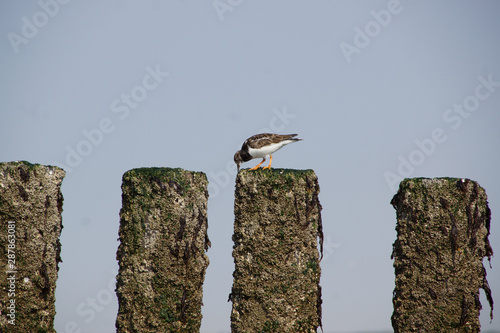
(264, 139)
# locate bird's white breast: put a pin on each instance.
(267, 150)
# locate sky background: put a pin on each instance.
(378, 90)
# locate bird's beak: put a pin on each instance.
(238, 165)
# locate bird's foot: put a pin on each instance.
(258, 165)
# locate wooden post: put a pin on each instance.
(163, 239)
(30, 226)
(276, 230)
(442, 228)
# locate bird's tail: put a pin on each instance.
(291, 137)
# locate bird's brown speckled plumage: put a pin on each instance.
(264, 139)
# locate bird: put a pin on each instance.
(262, 146)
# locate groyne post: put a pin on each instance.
(30, 226)
(162, 260)
(442, 237)
(276, 230)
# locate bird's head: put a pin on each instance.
(238, 159)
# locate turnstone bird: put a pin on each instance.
(262, 146)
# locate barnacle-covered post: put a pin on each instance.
(442, 228)
(30, 226)
(276, 230)
(163, 239)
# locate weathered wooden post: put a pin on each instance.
(276, 230)
(30, 226)
(442, 237)
(163, 239)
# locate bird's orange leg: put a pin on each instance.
(270, 161)
(258, 165)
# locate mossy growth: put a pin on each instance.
(270, 326)
(17, 163)
(277, 178)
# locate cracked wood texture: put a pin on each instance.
(276, 232)
(442, 237)
(31, 200)
(163, 239)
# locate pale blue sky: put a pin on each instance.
(377, 90)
